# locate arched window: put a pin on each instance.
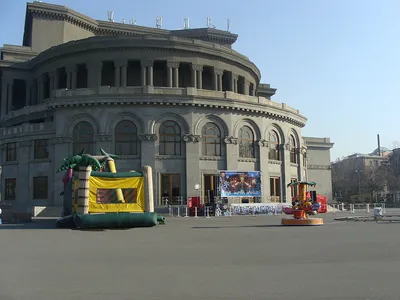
(211, 140)
(83, 137)
(246, 142)
(293, 150)
(274, 153)
(170, 138)
(126, 138)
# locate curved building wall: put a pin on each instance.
(187, 108)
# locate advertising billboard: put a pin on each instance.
(240, 184)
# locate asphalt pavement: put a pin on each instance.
(239, 257)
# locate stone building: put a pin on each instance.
(181, 101)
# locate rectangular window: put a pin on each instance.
(110, 196)
(275, 189)
(11, 185)
(40, 187)
(293, 155)
(11, 151)
(41, 149)
(274, 152)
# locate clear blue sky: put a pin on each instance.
(337, 61)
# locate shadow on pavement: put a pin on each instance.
(35, 224)
(236, 226)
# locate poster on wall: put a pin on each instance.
(240, 184)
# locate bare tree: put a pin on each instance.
(396, 144)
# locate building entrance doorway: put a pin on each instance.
(171, 189)
(211, 193)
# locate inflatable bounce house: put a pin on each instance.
(303, 206)
(97, 196)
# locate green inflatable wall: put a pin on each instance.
(117, 220)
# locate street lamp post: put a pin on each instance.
(359, 183)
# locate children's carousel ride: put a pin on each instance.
(303, 207)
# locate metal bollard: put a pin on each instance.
(207, 214)
(170, 210)
(195, 212)
(179, 212)
(230, 211)
(186, 212)
(367, 207)
(253, 212)
(384, 208)
(352, 210)
(342, 206)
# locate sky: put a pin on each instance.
(337, 61)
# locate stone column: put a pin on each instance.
(169, 75)
(144, 74)
(40, 88)
(148, 152)
(286, 172)
(263, 160)
(232, 152)
(10, 96)
(200, 79)
(71, 77)
(28, 91)
(173, 73)
(25, 192)
(193, 152)
(53, 81)
(117, 75)
(197, 76)
(124, 67)
(94, 74)
(4, 96)
(234, 83)
(147, 72)
(217, 79)
(176, 76)
(246, 87)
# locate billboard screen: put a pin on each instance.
(240, 184)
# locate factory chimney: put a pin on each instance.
(379, 145)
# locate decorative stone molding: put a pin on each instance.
(169, 157)
(294, 165)
(319, 167)
(197, 67)
(243, 159)
(274, 162)
(60, 140)
(25, 143)
(191, 138)
(147, 63)
(211, 158)
(102, 138)
(173, 64)
(231, 140)
(297, 150)
(263, 143)
(218, 71)
(284, 147)
(303, 150)
(147, 137)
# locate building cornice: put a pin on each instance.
(147, 44)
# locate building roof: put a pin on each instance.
(99, 27)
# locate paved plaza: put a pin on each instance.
(239, 257)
